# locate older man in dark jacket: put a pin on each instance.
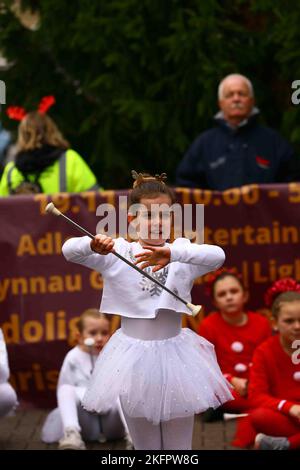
(238, 150)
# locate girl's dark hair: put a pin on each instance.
(90, 313)
(218, 276)
(285, 297)
(146, 185)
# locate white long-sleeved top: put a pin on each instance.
(127, 293)
(76, 368)
(4, 367)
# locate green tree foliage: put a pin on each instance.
(136, 80)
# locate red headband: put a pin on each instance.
(212, 278)
(18, 113)
(279, 287)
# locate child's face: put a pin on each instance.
(154, 223)
(229, 296)
(288, 321)
(98, 330)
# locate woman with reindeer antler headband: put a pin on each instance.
(44, 163)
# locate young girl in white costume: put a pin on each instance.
(163, 374)
(8, 397)
(70, 424)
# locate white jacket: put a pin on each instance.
(127, 293)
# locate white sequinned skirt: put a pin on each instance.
(173, 375)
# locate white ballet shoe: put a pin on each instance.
(71, 440)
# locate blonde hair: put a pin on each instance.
(36, 130)
(90, 313)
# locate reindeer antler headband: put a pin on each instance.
(18, 112)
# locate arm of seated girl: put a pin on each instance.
(295, 411)
(240, 385)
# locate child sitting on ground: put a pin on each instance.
(274, 385)
(235, 332)
(70, 424)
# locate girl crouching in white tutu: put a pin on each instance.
(162, 374)
(70, 424)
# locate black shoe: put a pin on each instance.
(211, 415)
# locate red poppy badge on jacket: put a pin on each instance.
(262, 162)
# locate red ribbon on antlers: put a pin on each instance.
(46, 103)
(18, 112)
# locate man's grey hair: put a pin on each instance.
(234, 75)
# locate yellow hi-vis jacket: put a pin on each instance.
(69, 173)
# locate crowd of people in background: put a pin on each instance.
(237, 151)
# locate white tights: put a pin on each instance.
(8, 399)
(175, 434)
(90, 425)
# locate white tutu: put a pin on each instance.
(157, 379)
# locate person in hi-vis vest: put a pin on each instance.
(44, 163)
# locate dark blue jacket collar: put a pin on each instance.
(219, 118)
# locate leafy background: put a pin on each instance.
(136, 80)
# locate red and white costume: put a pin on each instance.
(274, 388)
(234, 346)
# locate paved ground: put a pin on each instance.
(22, 431)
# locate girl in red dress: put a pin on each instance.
(235, 332)
(274, 385)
